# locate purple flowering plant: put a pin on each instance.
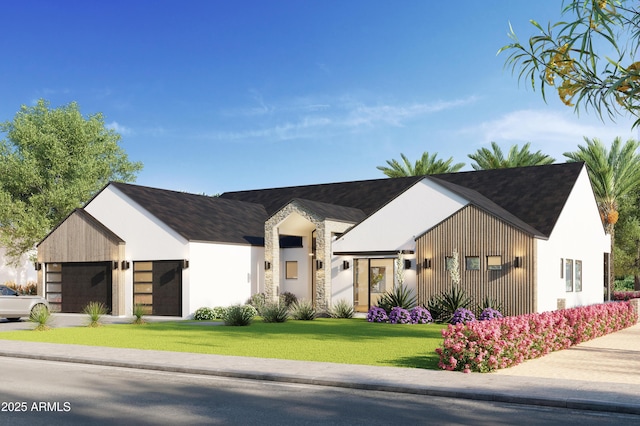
(489, 314)
(462, 315)
(399, 315)
(377, 314)
(420, 315)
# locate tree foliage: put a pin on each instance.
(486, 159)
(426, 165)
(52, 161)
(613, 173)
(588, 57)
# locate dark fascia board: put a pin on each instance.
(373, 253)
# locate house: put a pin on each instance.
(529, 237)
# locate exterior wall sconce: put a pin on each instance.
(267, 265)
(407, 264)
(319, 264)
(114, 264)
(517, 262)
(125, 265)
(426, 264)
(185, 264)
(345, 264)
(37, 266)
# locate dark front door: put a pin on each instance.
(83, 283)
(167, 288)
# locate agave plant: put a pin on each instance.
(401, 296)
(342, 309)
(443, 306)
(275, 312)
(303, 310)
(95, 311)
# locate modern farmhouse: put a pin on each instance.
(529, 237)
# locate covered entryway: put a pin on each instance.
(83, 283)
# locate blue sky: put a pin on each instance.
(215, 96)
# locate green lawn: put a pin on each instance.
(353, 341)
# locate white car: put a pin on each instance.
(13, 305)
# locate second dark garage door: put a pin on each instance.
(85, 282)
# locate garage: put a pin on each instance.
(85, 282)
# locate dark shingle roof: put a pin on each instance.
(531, 198)
(199, 217)
(535, 195)
(365, 195)
(333, 212)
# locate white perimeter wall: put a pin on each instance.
(20, 274)
(578, 235)
(395, 226)
(221, 275)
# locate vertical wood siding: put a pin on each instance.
(473, 232)
(80, 238)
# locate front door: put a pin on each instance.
(373, 278)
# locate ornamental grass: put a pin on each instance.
(485, 346)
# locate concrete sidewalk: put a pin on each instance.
(600, 375)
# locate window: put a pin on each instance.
(448, 263)
(472, 263)
(568, 274)
(578, 275)
(291, 270)
(143, 286)
(494, 263)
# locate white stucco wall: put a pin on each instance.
(341, 280)
(219, 275)
(21, 274)
(301, 286)
(146, 237)
(578, 235)
(395, 226)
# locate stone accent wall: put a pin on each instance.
(324, 230)
(272, 245)
(635, 303)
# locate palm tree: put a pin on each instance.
(613, 173)
(486, 159)
(426, 165)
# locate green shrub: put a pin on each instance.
(342, 309)
(204, 314)
(442, 306)
(401, 296)
(275, 312)
(303, 310)
(288, 299)
(250, 310)
(95, 311)
(257, 301)
(238, 315)
(138, 312)
(219, 312)
(41, 316)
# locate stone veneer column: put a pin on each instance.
(271, 255)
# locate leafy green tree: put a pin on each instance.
(614, 174)
(486, 159)
(588, 56)
(627, 244)
(52, 161)
(426, 165)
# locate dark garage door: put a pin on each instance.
(83, 283)
(167, 288)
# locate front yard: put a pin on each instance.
(349, 341)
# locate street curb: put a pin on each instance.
(485, 395)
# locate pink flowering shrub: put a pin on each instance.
(485, 346)
(626, 295)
